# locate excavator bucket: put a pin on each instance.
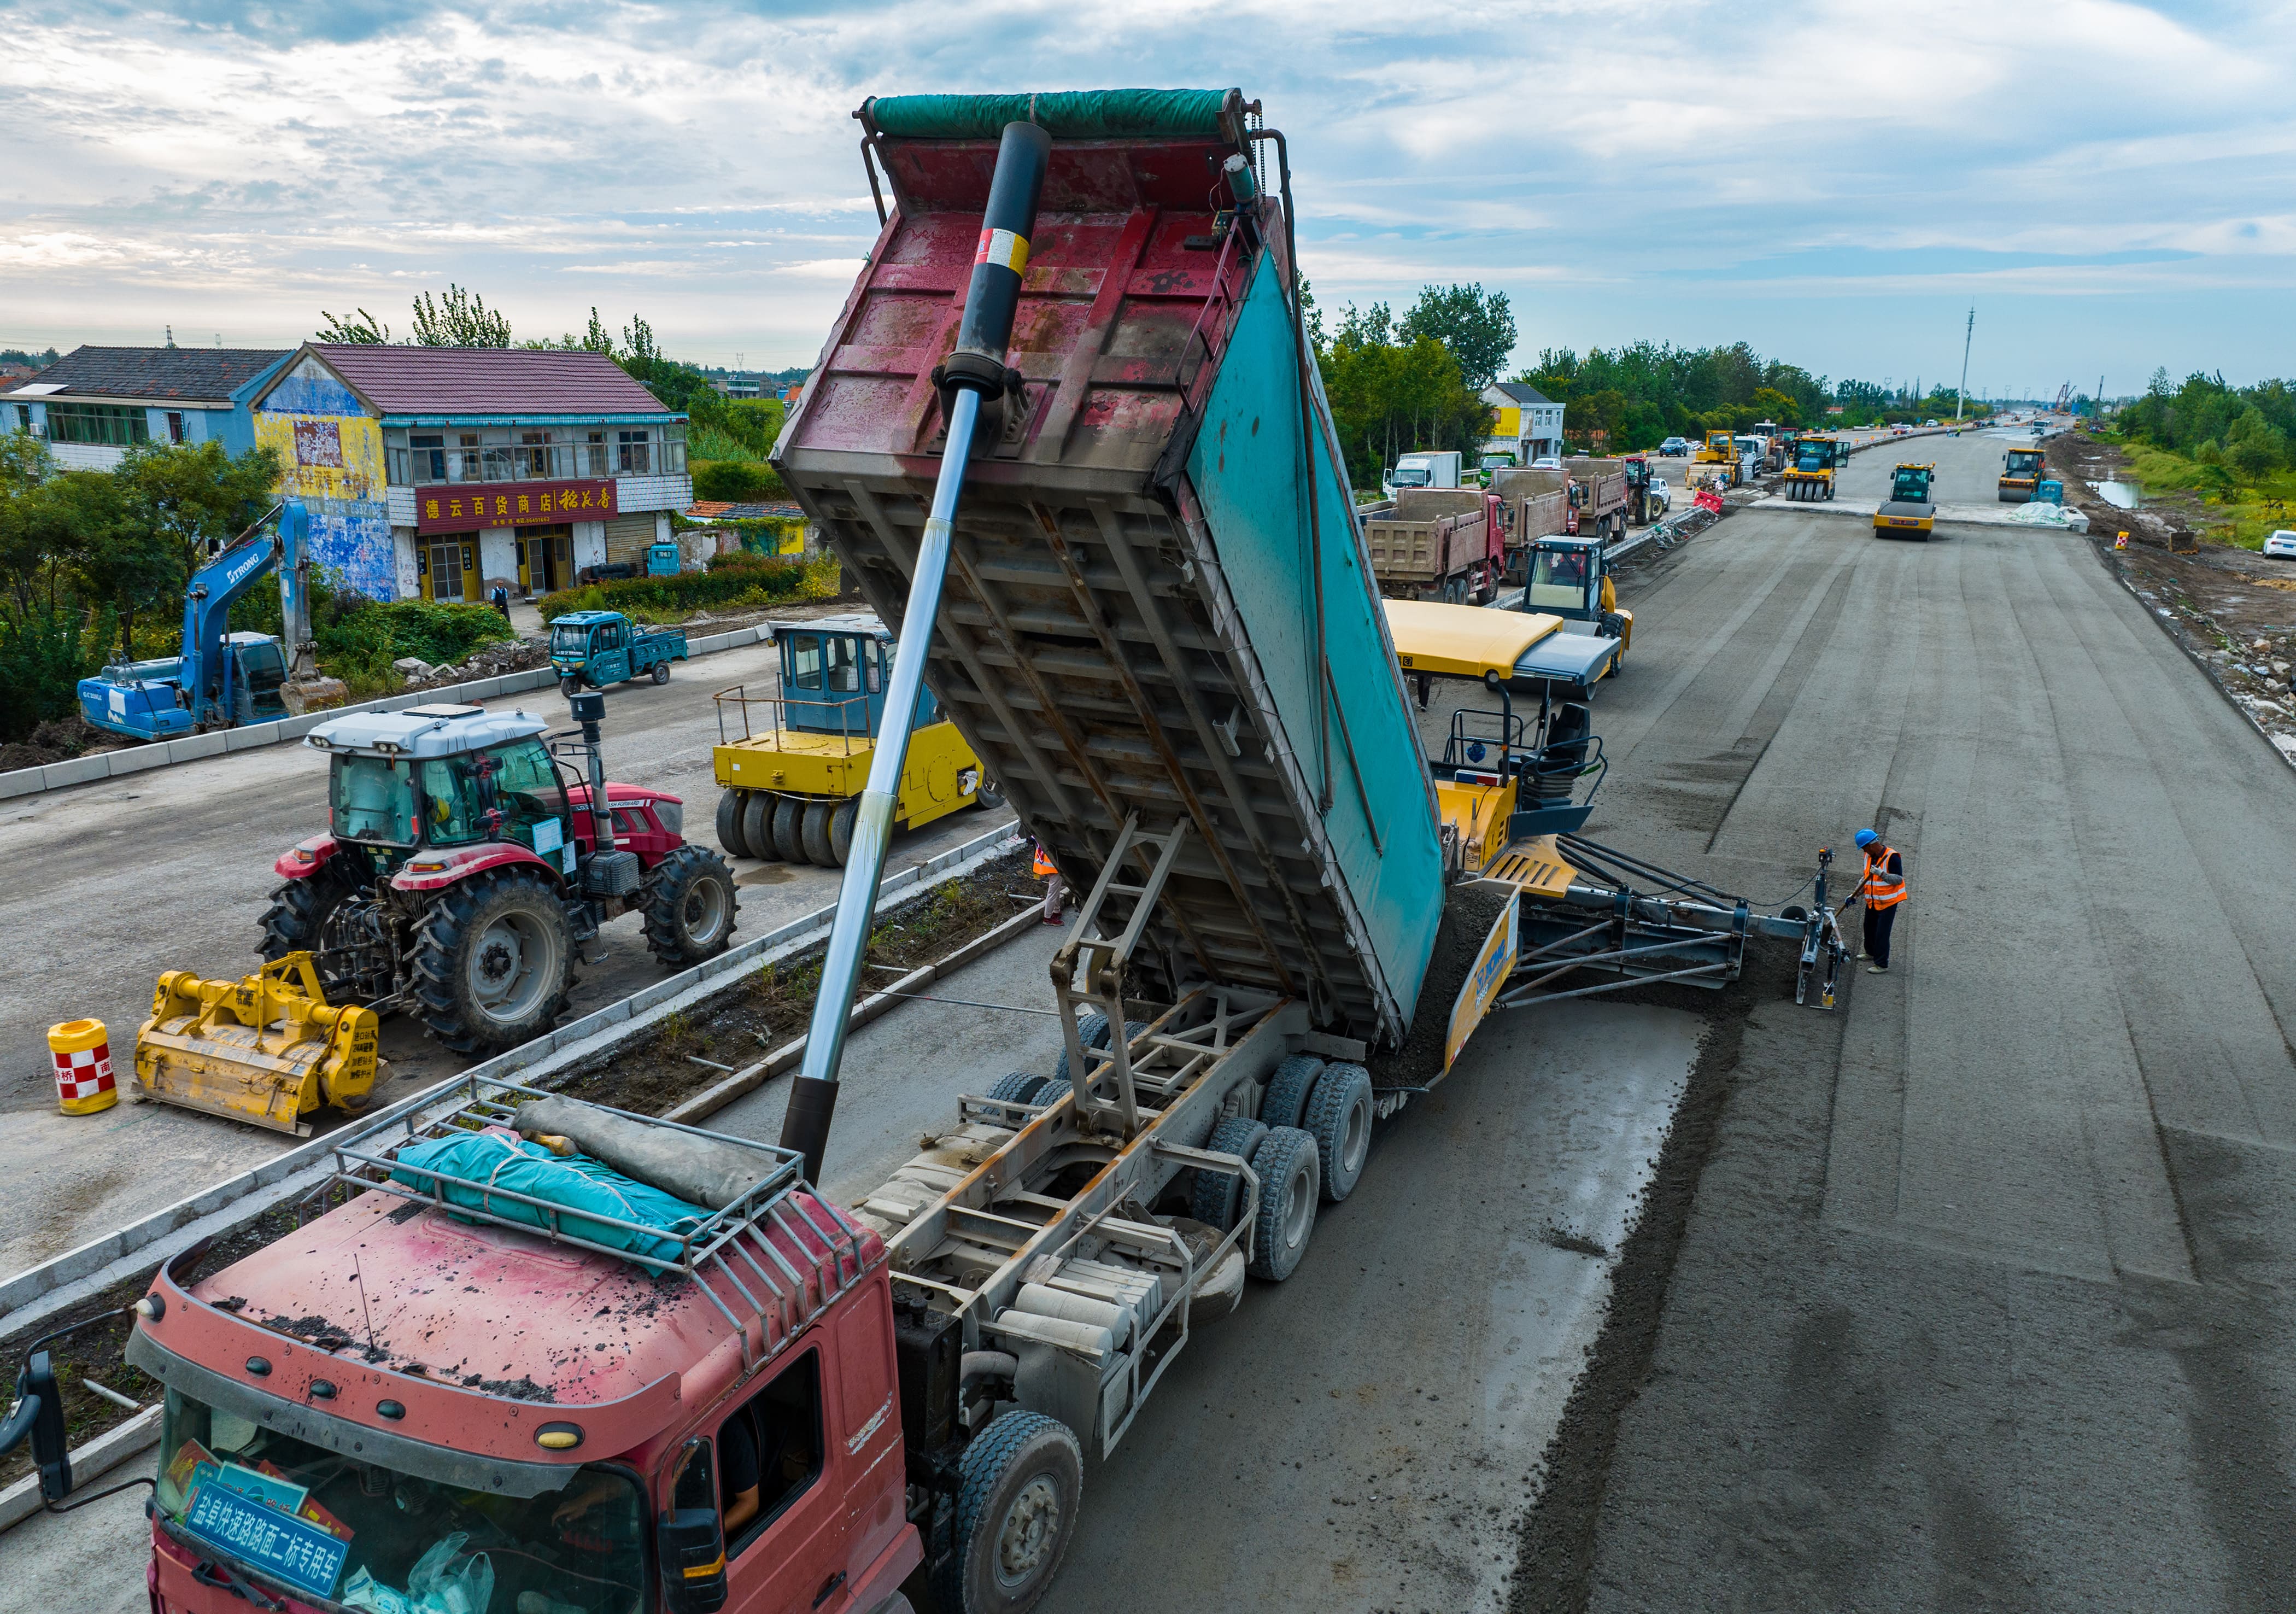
(267, 1048)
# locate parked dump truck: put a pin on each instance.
(1141, 593)
(1437, 545)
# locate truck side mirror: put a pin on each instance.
(39, 1413)
(693, 1550)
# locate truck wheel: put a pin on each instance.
(689, 906)
(1092, 1030)
(569, 687)
(1290, 1183)
(661, 672)
(299, 913)
(1019, 1486)
(815, 833)
(1286, 1098)
(758, 826)
(991, 795)
(1020, 1087)
(492, 959)
(840, 830)
(789, 821)
(1339, 1119)
(730, 804)
(1216, 1197)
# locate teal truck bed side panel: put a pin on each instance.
(1245, 470)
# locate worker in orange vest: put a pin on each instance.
(1882, 890)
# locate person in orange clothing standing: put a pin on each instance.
(1882, 890)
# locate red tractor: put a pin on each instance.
(469, 858)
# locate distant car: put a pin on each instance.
(1928, 423)
(2282, 544)
(1661, 497)
(1546, 462)
(1674, 447)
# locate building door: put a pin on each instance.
(450, 571)
(546, 557)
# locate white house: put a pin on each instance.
(1529, 424)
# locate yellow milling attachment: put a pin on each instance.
(267, 1048)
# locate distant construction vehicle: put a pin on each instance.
(2020, 476)
(1816, 459)
(793, 788)
(1720, 450)
(1908, 511)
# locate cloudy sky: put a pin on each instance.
(2110, 183)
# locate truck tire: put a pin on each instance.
(815, 833)
(1286, 1098)
(661, 672)
(757, 826)
(789, 823)
(569, 687)
(1020, 1087)
(989, 795)
(492, 961)
(689, 907)
(1019, 1487)
(1290, 1183)
(299, 913)
(840, 830)
(1092, 1030)
(730, 804)
(1339, 1119)
(1216, 1197)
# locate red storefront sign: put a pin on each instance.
(473, 505)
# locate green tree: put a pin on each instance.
(1772, 405)
(112, 557)
(459, 319)
(195, 497)
(1477, 326)
(359, 332)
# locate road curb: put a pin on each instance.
(197, 748)
(29, 1297)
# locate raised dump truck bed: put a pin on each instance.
(1154, 536)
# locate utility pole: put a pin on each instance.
(1968, 333)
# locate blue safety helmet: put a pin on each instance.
(1865, 838)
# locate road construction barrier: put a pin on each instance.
(82, 1051)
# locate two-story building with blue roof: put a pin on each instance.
(94, 403)
(439, 472)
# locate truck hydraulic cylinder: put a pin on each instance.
(975, 368)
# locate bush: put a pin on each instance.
(44, 654)
(752, 581)
(737, 481)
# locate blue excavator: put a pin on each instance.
(221, 679)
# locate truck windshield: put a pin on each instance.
(1409, 475)
(566, 641)
(1813, 456)
(372, 799)
(2024, 462)
(375, 1538)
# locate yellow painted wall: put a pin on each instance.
(1510, 422)
(356, 439)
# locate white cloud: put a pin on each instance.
(697, 164)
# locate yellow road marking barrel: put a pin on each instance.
(82, 1051)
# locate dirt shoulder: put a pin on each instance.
(2231, 608)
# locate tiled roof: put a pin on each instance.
(488, 381)
(1523, 392)
(190, 375)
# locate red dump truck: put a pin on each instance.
(1436, 543)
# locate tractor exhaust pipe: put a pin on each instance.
(975, 370)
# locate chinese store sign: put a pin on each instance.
(473, 505)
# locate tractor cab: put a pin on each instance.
(1567, 578)
(1814, 454)
(834, 673)
(434, 778)
(582, 636)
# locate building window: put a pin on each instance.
(175, 425)
(634, 454)
(24, 418)
(98, 423)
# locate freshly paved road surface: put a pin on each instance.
(1984, 1301)
(112, 883)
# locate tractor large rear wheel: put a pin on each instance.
(492, 959)
(298, 916)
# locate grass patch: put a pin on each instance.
(2241, 512)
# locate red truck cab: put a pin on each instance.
(401, 1405)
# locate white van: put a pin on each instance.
(1429, 468)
